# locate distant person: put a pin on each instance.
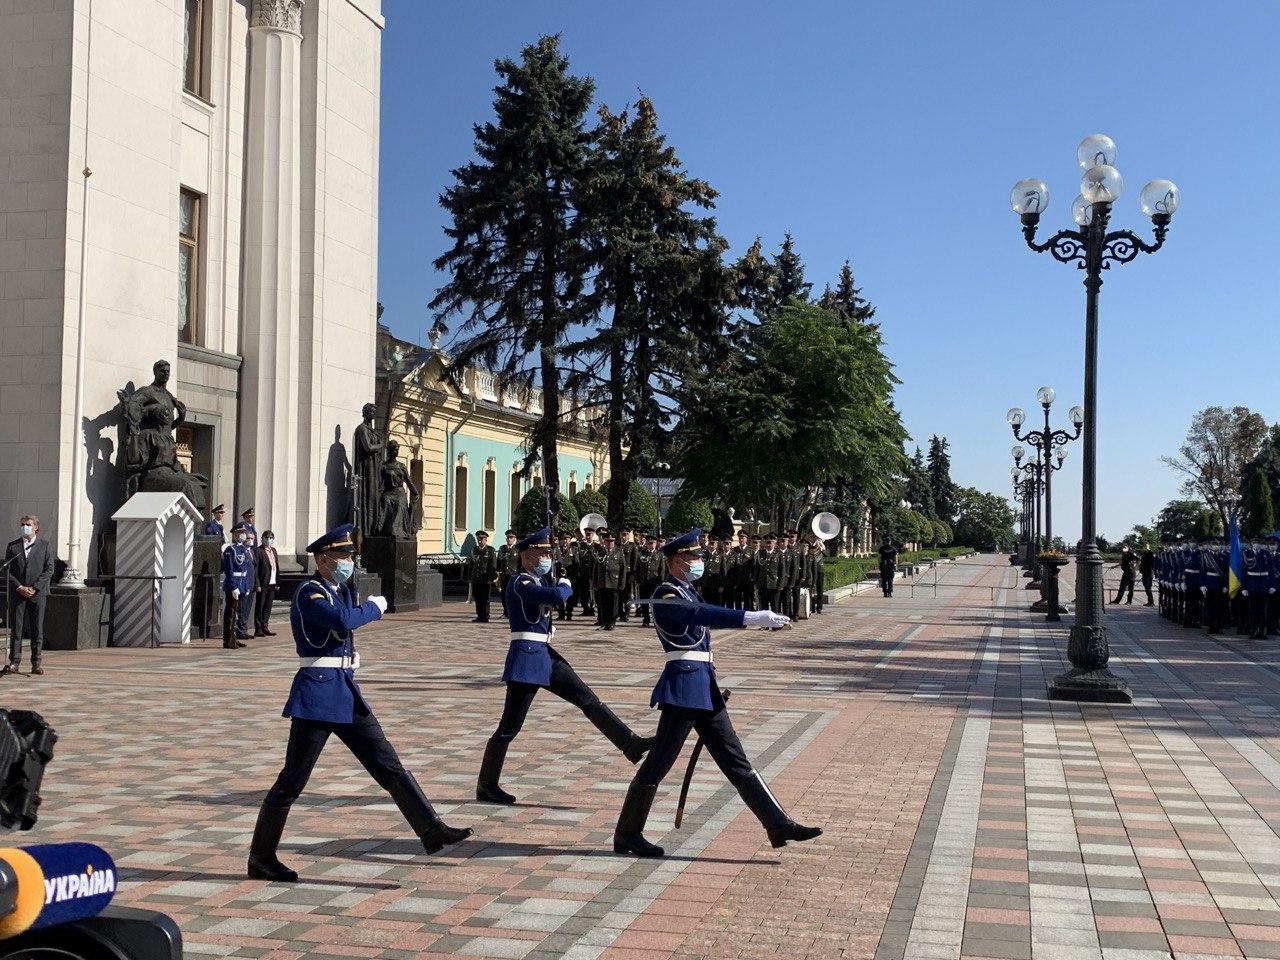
(1146, 567)
(482, 568)
(29, 563)
(1128, 561)
(888, 565)
(214, 527)
(268, 568)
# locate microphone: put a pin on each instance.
(52, 884)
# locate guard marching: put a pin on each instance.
(325, 699)
(689, 697)
(533, 664)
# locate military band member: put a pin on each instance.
(796, 558)
(532, 664)
(325, 699)
(751, 593)
(507, 561)
(712, 579)
(652, 569)
(237, 570)
(631, 550)
(565, 558)
(770, 575)
(583, 593)
(483, 571)
(819, 552)
(689, 698)
(610, 581)
(888, 566)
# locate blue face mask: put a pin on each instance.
(268, 541)
(544, 566)
(696, 570)
(27, 529)
(343, 570)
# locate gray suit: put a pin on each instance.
(33, 570)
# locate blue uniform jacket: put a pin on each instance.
(1191, 570)
(529, 661)
(236, 567)
(1213, 570)
(688, 683)
(323, 618)
(213, 529)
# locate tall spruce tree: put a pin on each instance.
(519, 261)
(1259, 512)
(659, 273)
(788, 282)
(939, 469)
(918, 490)
(753, 280)
(847, 300)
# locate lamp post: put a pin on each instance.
(1092, 248)
(1032, 469)
(660, 465)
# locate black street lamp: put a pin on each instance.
(1034, 483)
(1050, 446)
(1092, 248)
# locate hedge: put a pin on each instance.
(842, 571)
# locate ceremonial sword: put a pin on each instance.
(688, 773)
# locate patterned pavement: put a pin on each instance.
(966, 816)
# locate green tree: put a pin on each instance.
(941, 533)
(659, 272)
(983, 520)
(1259, 513)
(1219, 443)
(847, 300)
(939, 470)
(1268, 461)
(1177, 520)
(1208, 524)
(589, 501)
(918, 491)
(812, 390)
(1142, 535)
(686, 512)
(531, 513)
(519, 260)
(638, 512)
(788, 283)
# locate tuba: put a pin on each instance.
(592, 521)
(825, 526)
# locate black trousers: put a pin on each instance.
(607, 600)
(646, 592)
(795, 602)
(248, 603)
(503, 580)
(26, 616)
(1126, 583)
(568, 686)
(718, 736)
(266, 596)
(481, 591)
(1146, 585)
(363, 737)
(1258, 597)
(747, 596)
(1215, 609)
(230, 616)
(1192, 601)
(818, 589)
(886, 580)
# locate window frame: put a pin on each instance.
(516, 494)
(461, 476)
(489, 499)
(197, 62)
(194, 242)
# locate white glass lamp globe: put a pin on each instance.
(1046, 396)
(1016, 417)
(1159, 197)
(1101, 184)
(1061, 454)
(1029, 196)
(1018, 451)
(1076, 415)
(1096, 150)
(1081, 211)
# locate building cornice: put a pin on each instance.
(189, 351)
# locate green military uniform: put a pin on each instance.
(771, 574)
(508, 561)
(482, 569)
(610, 582)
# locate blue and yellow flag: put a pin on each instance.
(1235, 563)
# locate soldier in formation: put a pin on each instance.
(507, 560)
(610, 576)
(1193, 588)
(482, 567)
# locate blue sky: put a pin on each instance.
(889, 133)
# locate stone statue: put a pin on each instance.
(369, 444)
(150, 453)
(398, 496)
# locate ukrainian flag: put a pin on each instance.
(1235, 563)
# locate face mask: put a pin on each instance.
(27, 530)
(240, 538)
(268, 541)
(695, 570)
(343, 570)
(544, 566)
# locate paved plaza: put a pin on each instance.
(965, 815)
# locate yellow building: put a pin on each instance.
(464, 447)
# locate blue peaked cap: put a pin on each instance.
(339, 538)
(539, 538)
(686, 541)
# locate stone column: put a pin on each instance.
(267, 476)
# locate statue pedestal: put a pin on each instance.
(76, 619)
(396, 562)
(430, 587)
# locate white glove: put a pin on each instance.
(1271, 589)
(235, 593)
(764, 618)
(1204, 590)
(565, 582)
(380, 603)
(1244, 592)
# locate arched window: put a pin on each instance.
(460, 495)
(515, 499)
(490, 497)
(573, 486)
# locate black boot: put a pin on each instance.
(426, 823)
(777, 824)
(487, 789)
(628, 835)
(618, 733)
(263, 862)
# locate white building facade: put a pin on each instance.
(194, 181)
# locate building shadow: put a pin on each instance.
(337, 482)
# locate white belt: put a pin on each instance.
(339, 663)
(528, 635)
(703, 656)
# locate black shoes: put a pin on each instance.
(780, 827)
(434, 833)
(487, 789)
(36, 669)
(637, 747)
(263, 862)
(628, 836)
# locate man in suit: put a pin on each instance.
(30, 566)
(483, 570)
(268, 566)
(214, 527)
